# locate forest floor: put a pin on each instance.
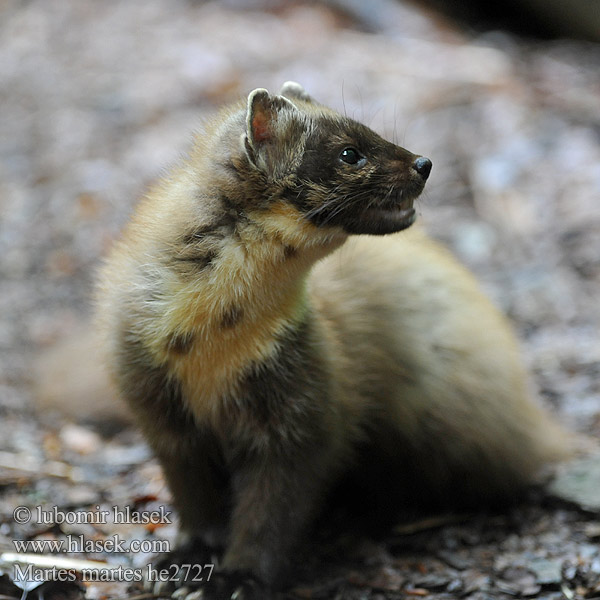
(96, 98)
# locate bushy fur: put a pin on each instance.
(265, 356)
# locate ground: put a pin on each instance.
(96, 98)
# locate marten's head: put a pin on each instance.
(333, 170)
(303, 172)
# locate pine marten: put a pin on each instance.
(272, 325)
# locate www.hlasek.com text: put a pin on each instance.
(79, 544)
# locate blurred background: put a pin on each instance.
(97, 98)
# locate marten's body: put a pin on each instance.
(262, 352)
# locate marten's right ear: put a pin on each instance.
(264, 120)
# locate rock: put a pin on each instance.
(518, 581)
(80, 439)
(579, 482)
(547, 571)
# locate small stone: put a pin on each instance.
(454, 560)
(547, 571)
(579, 482)
(79, 439)
(474, 581)
(592, 530)
(433, 581)
(518, 581)
(569, 572)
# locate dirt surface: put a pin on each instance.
(96, 98)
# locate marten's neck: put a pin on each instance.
(258, 274)
(217, 324)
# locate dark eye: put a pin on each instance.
(350, 156)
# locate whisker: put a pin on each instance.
(347, 201)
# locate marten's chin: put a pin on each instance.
(382, 218)
(380, 221)
(377, 218)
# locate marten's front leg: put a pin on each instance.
(283, 449)
(200, 489)
(189, 454)
(275, 496)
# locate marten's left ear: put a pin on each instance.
(263, 120)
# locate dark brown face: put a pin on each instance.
(335, 171)
(352, 178)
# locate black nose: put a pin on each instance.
(422, 166)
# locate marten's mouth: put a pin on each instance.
(390, 218)
(387, 214)
(400, 211)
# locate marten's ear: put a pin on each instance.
(263, 114)
(264, 120)
(291, 89)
